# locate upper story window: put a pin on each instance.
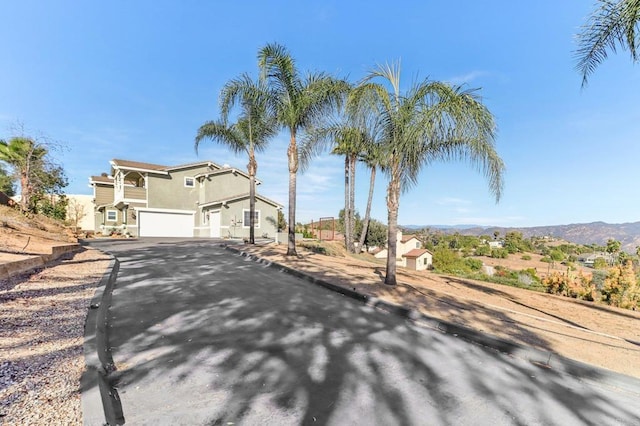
(418, 244)
(189, 182)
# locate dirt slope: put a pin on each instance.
(22, 236)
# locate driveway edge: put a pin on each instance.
(100, 401)
(542, 358)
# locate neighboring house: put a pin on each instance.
(190, 200)
(496, 244)
(418, 259)
(407, 244)
(588, 259)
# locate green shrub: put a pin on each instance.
(499, 253)
(473, 264)
(483, 250)
(525, 257)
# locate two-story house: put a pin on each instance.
(190, 200)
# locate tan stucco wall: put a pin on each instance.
(234, 210)
(169, 192)
(224, 185)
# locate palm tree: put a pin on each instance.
(251, 132)
(432, 121)
(371, 157)
(613, 24)
(26, 157)
(300, 103)
(349, 140)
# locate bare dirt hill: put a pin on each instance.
(27, 235)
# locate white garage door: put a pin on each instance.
(165, 224)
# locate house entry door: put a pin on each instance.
(214, 223)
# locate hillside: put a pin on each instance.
(22, 235)
(579, 233)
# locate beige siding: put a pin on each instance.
(103, 194)
(135, 193)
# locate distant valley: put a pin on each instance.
(580, 233)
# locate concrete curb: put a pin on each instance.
(11, 269)
(536, 356)
(100, 401)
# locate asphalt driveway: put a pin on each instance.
(200, 335)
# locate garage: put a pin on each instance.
(165, 223)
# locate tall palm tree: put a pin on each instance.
(432, 121)
(613, 24)
(349, 140)
(250, 134)
(300, 103)
(26, 157)
(372, 158)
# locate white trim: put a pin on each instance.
(153, 209)
(241, 197)
(136, 169)
(256, 223)
(106, 215)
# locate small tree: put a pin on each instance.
(282, 222)
(376, 234)
(76, 211)
(32, 166)
(621, 287)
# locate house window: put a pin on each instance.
(189, 182)
(426, 261)
(418, 244)
(246, 222)
(112, 215)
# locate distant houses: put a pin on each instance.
(409, 253)
(588, 259)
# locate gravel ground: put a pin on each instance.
(41, 336)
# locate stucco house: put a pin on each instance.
(190, 200)
(406, 244)
(418, 259)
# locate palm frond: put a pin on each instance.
(614, 24)
(218, 131)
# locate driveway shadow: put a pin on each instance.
(210, 337)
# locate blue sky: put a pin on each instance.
(135, 79)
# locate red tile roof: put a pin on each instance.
(416, 253)
(406, 238)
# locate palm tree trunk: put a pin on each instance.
(347, 204)
(252, 198)
(367, 213)
(292, 153)
(393, 203)
(352, 203)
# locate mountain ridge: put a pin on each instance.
(597, 232)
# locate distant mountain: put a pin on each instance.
(579, 233)
(414, 227)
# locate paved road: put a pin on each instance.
(202, 336)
